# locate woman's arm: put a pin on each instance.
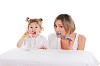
(81, 42)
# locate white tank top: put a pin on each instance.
(75, 45)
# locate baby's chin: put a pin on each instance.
(34, 35)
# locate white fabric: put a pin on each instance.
(54, 42)
(35, 43)
(75, 45)
(40, 57)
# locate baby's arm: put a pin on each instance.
(19, 44)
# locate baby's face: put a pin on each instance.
(59, 28)
(34, 29)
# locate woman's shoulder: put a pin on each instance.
(81, 42)
(81, 37)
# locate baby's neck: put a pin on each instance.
(35, 36)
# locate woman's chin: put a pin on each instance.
(58, 36)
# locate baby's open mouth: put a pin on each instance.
(33, 32)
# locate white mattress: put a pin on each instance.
(22, 57)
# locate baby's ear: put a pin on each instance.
(40, 19)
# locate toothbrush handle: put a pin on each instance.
(69, 39)
(66, 38)
(63, 36)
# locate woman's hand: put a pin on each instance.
(70, 47)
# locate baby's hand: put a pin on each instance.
(26, 34)
(42, 47)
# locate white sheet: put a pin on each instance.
(22, 57)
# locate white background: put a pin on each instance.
(85, 13)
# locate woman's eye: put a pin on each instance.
(55, 26)
(61, 26)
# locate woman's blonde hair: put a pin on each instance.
(67, 22)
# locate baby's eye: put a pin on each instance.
(31, 27)
(36, 27)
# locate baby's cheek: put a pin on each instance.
(29, 32)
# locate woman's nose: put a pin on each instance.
(57, 29)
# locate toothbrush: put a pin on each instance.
(63, 36)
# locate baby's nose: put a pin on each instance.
(33, 29)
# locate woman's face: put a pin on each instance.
(34, 29)
(58, 26)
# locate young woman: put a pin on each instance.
(64, 36)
